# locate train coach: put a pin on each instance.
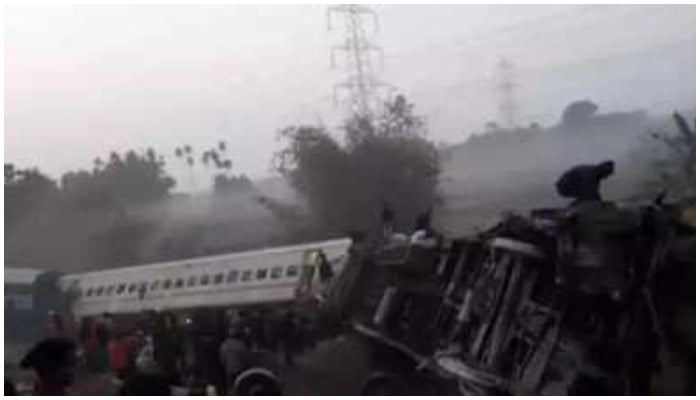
(257, 278)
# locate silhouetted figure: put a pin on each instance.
(582, 183)
(388, 220)
(258, 334)
(234, 354)
(289, 337)
(325, 270)
(54, 361)
(55, 326)
(167, 348)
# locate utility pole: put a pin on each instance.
(506, 86)
(359, 85)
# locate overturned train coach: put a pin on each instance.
(261, 278)
(592, 300)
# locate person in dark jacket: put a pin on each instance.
(168, 344)
(582, 182)
(289, 337)
(54, 361)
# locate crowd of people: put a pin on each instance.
(210, 352)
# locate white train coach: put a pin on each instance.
(268, 276)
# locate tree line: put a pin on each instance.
(345, 176)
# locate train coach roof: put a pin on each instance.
(21, 276)
(244, 254)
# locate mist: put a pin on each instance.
(190, 75)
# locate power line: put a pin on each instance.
(360, 84)
(580, 19)
(564, 67)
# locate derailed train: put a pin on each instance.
(592, 299)
(254, 278)
(273, 278)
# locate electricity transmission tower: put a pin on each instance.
(357, 50)
(506, 86)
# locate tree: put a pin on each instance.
(386, 160)
(25, 191)
(86, 221)
(676, 171)
(224, 184)
(216, 160)
(131, 179)
(578, 114)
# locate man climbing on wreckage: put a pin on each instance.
(599, 273)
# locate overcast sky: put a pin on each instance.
(83, 81)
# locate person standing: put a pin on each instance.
(233, 354)
(54, 361)
(118, 355)
(167, 347)
(257, 330)
(55, 327)
(101, 356)
(289, 337)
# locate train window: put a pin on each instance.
(99, 291)
(232, 276)
(179, 283)
(89, 292)
(218, 278)
(132, 288)
(109, 291)
(204, 280)
(276, 272)
(261, 274)
(167, 283)
(292, 270)
(192, 281)
(246, 275)
(121, 288)
(154, 285)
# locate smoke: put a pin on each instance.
(515, 170)
(180, 226)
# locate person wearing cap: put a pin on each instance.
(582, 182)
(54, 361)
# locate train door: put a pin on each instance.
(308, 272)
